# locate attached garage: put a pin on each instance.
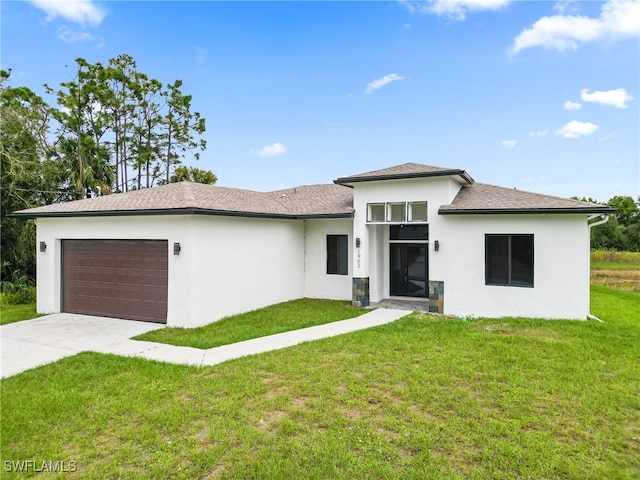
(116, 278)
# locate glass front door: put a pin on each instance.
(408, 270)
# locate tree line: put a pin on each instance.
(112, 129)
(115, 129)
(622, 231)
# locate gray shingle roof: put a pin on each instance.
(313, 200)
(333, 200)
(484, 198)
(406, 170)
(189, 197)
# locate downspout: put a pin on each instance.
(604, 219)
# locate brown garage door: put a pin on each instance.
(116, 278)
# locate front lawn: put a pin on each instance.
(16, 313)
(282, 317)
(423, 397)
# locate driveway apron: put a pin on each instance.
(47, 339)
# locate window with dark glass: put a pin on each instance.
(409, 232)
(509, 260)
(337, 256)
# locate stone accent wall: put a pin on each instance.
(360, 296)
(436, 296)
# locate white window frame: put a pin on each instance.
(410, 211)
(370, 208)
(391, 208)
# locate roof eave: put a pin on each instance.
(491, 211)
(313, 216)
(405, 176)
(178, 211)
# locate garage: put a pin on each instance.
(116, 278)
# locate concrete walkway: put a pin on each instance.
(47, 339)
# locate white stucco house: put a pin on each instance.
(187, 254)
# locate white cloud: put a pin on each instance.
(456, 9)
(68, 36)
(270, 150)
(84, 12)
(568, 105)
(618, 19)
(509, 143)
(539, 133)
(576, 129)
(614, 98)
(565, 6)
(381, 82)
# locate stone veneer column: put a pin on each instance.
(360, 292)
(436, 296)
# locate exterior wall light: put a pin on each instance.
(358, 242)
(436, 245)
(43, 247)
(176, 248)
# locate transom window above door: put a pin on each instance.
(397, 212)
(409, 232)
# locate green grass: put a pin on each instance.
(423, 397)
(16, 313)
(611, 260)
(620, 270)
(278, 318)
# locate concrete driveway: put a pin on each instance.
(32, 343)
(47, 339)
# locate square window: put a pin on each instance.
(417, 211)
(337, 255)
(396, 212)
(375, 212)
(509, 260)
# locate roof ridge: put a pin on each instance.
(408, 170)
(187, 192)
(307, 185)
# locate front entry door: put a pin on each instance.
(408, 270)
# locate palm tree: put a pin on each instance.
(90, 172)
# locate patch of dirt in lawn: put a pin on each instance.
(202, 434)
(341, 388)
(216, 472)
(266, 422)
(299, 402)
(276, 391)
(352, 413)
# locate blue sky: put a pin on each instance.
(540, 96)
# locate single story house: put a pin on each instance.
(187, 254)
